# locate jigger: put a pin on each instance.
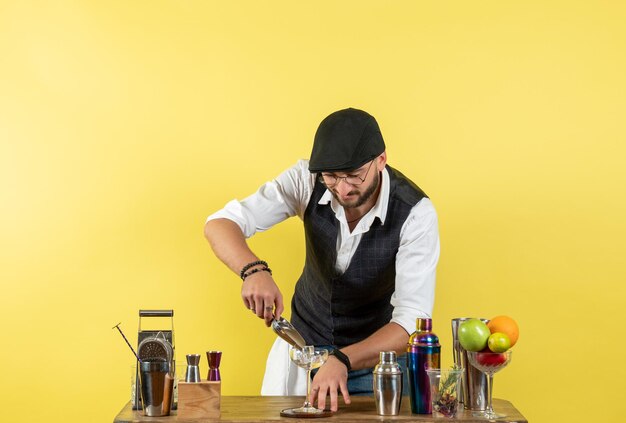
(193, 371)
(214, 358)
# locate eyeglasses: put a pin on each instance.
(331, 180)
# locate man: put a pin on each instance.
(372, 247)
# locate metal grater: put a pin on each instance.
(155, 345)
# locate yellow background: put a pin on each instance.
(123, 124)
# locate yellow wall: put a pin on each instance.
(123, 124)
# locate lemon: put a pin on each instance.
(498, 342)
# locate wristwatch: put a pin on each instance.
(341, 357)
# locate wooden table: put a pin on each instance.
(237, 409)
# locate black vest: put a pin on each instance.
(340, 309)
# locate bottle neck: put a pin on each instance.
(423, 324)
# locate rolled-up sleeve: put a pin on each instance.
(274, 201)
(416, 264)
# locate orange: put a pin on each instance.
(505, 325)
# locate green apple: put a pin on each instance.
(473, 335)
(499, 342)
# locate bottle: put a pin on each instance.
(423, 351)
(388, 385)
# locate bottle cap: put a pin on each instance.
(423, 325)
(387, 357)
(388, 364)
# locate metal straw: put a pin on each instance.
(128, 343)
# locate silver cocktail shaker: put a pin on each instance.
(157, 385)
(388, 385)
(474, 382)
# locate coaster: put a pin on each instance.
(293, 412)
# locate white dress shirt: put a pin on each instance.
(416, 261)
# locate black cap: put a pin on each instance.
(346, 140)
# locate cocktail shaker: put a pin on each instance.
(474, 382)
(157, 385)
(423, 352)
(388, 385)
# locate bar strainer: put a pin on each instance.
(155, 348)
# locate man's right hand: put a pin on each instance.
(261, 295)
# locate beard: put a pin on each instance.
(362, 198)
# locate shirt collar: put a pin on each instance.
(378, 211)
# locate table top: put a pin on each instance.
(256, 409)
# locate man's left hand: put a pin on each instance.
(330, 379)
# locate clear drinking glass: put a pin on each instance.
(308, 359)
(444, 391)
(489, 363)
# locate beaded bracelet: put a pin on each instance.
(253, 271)
(250, 265)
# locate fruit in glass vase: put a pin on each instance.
(498, 342)
(506, 325)
(490, 359)
(473, 335)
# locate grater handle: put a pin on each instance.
(156, 313)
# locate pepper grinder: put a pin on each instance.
(214, 358)
(193, 371)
